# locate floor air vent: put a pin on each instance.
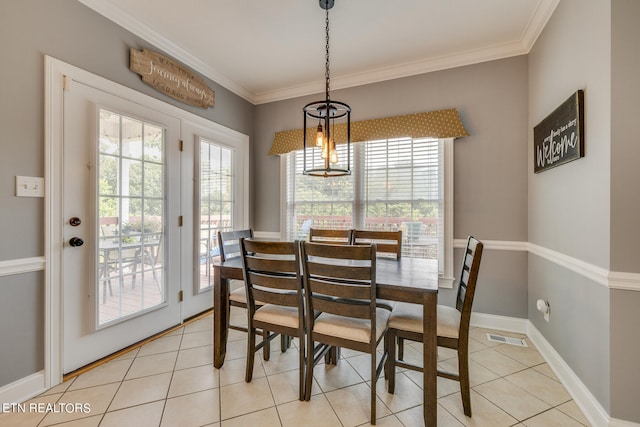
(506, 340)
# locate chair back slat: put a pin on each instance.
(274, 281)
(347, 308)
(341, 289)
(334, 237)
(387, 242)
(271, 265)
(338, 252)
(347, 272)
(289, 299)
(228, 243)
(468, 277)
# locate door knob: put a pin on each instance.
(76, 241)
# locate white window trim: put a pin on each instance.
(446, 280)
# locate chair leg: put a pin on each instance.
(390, 372)
(266, 348)
(374, 369)
(463, 371)
(251, 351)
(309, 370)
(332, 356)
(285, 343)
(400, 348)
(301, 364)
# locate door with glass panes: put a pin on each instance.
(121, 202)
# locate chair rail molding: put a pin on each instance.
(267, 235)
(590, 271)
(495, 245)
(22, 265)
(624, 281)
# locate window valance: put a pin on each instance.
(436, 124)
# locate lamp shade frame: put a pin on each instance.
(317, 110)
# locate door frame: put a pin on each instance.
(57, 78)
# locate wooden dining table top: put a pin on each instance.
(395, 279)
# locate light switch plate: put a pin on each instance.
(29, 186)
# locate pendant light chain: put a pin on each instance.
(326, 71)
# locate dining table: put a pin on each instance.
(411, 280)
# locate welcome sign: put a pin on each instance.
(171, 78)
(559, 138)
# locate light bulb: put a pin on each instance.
(325, 149)
(319, 136)
(333, 157)
(333, 153)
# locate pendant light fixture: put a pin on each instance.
(327, 112)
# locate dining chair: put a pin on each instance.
(272, 275)
(406, 322)
(333, 237)
(229, 248)
(388, 243)
(340, 289)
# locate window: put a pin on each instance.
(397, 184)
(131, 215)
(216, 203)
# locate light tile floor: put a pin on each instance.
(171, 382)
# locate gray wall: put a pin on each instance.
(625, 206)
(490, 165)
(21, 327)
(71, 32)
(568, 205)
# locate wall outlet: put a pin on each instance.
(29, 186)
(544, 307)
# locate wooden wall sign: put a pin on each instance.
(171, 78)
(559, 138)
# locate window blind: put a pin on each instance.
(396, 184)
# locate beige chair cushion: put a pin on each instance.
(277, 315)
(351, 328)
(239, 294)
(408, 317)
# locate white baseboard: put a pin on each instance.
(502, 323)
(588, 404)
(23, 389)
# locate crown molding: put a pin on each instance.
(537, 22)
(129, 23)
(535, 26)
(407, 69)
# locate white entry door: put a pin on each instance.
(120, 209)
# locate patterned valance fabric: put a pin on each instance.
(435, 124)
